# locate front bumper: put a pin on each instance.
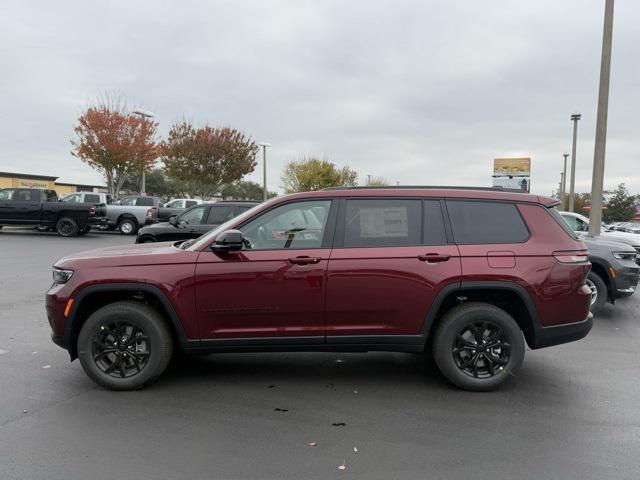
(558, 334)
(626, 280)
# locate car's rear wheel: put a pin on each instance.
(598, 291)
(125, 345)
(67, 227)
(478, 346)
(147, 239)
(128, 226)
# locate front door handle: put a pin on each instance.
(434, 257)
(302, 260)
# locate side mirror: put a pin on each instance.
(173, 220)
(228, 241)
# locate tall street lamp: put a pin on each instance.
(563, 189)
(597, 181)
(264, 146)
(572, 183)
(143, 114)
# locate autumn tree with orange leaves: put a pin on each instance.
(207, 157)
(114, 142)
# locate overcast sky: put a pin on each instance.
(417, 92)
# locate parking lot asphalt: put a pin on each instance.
(573, 411)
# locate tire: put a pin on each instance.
(152, 350)
(67, 227)
(598, 291)
(455, 346)
(128, 226)
(147, 239)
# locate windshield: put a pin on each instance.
(206, 239)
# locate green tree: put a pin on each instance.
(620, 206)
(310, 173)
(207, 157)
(244, 190)
(581, 203)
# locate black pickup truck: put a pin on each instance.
(42, 208)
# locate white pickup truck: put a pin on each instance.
(127, 214)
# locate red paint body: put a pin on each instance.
(339, 291)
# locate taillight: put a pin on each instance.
(150, 212)
(571, 256)
(92, 210)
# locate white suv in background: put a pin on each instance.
(182, 203)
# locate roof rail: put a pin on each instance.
(434, 187)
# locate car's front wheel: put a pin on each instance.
(125, 345)
(478, 346)
(598, 291)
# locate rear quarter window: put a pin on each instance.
(477, 222)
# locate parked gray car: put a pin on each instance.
(614, 272)
(131, 213)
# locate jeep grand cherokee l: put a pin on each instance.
(474, 273)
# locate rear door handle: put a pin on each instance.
(302, 260)
(434, 257)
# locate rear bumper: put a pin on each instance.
(558, 334)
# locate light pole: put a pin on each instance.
(572, 183)
(143, 114)
(597, 181)
(563, 189)
(264, 146)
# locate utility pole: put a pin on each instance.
(143, 114)
(572, 183)
(561, 187)
(597, 182)
(264, 146)
(564, 181)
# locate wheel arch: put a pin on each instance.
(600, 268)
(509, 296)
(91, 298)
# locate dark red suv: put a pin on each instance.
(470, 273)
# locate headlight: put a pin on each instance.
(61, 276)
(625, 255)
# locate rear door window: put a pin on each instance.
(220, 214)
(90, 198)
(382, 223)
(145, 202)
(478, 222)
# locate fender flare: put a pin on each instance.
(460, 287)
(146, 288)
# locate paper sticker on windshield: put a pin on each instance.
(384, 222)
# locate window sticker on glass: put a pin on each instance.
(384, 222)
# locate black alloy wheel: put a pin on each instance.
(480, 350)
(478, 346)
(121, 349)
(67, 227)
(125, 345)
